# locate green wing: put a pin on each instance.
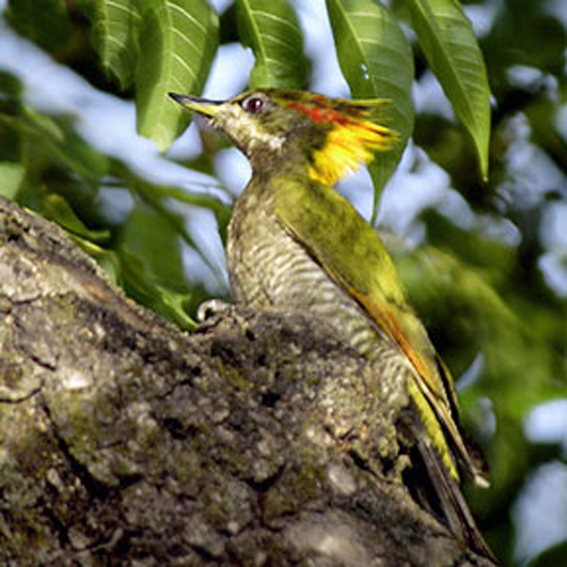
(351, 253)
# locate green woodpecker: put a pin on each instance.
(294, 242)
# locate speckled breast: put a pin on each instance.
(268, 267)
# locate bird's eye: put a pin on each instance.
(253, 104)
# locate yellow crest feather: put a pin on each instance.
(348, 146)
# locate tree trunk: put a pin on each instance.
(257, 440)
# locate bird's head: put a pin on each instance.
(333, 136)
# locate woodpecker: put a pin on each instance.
(294, 242)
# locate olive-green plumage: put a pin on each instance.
(294, 242)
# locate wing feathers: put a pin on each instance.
(351, 253)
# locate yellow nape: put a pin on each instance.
(348, 146)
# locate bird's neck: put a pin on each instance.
(292, 161)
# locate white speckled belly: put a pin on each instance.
(273, 269)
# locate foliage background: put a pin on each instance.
(485, 262)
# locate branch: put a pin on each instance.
(257, 440)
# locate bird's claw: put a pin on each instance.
(209, 308)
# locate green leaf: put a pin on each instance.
(133, 277)
(552, 556)
(155, 197)
(178, 40)
(58, 137)
(150, 236)
(151, 264)
(447, 39)
(56, 208)
(221, 211)
(11, 176)
(272, 30)
(44, 22)
(116, 23)
(376, 60)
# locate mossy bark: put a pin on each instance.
(257, 440)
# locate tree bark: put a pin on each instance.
(258, 440)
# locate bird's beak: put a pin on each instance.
(203, 106)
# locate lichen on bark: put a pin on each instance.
(257, 440)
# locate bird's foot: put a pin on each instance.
(211, 307)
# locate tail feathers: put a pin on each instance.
(470, 457)
(478, 469)
(439, 492)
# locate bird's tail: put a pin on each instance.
(436, 490)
